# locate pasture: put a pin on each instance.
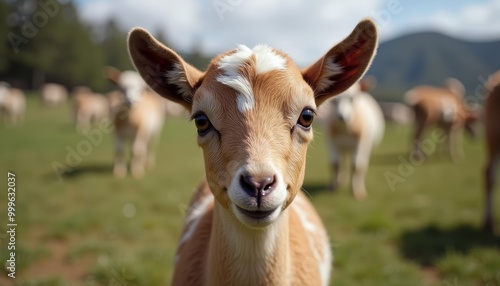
(88, 228)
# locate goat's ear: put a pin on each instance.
(343, 64)
(162, 69)
(113, 74)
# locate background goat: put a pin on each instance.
(138, 117)
(354, 124)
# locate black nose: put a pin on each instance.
(340, 117)
(257, 186)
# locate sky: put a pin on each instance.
(304, 29)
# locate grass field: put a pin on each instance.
(92, 229)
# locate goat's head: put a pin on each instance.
(253, 109)
(129, 82)
(341, 107)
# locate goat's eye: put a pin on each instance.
(306, 118)
(202, 123)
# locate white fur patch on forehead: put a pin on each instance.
(265, 60)
(231, 64)
(331, 69)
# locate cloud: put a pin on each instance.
(473, 21)
(305, 29)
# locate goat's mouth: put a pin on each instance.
(257, 214)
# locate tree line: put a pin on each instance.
(46, 41)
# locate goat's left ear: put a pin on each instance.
(343, 64)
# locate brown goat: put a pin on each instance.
(250, 223)
(445, 108)
(87, 107)
(492, 126)
(138, 114)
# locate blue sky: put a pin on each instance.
(303, 28)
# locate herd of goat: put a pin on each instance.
(270, 164)
(353, 121)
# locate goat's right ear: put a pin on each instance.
(162, 69)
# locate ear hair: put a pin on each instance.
(162, 68)
(343, 64)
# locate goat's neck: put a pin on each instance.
(239, 255)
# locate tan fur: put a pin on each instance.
(220, 245)
(492, 126)
(12, 104)
(139, 123)
(441, 107)
(53, 94)
(87, 107)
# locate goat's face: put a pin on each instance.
(343, 106)
(130, 83)
(254, 123)
(253, 109)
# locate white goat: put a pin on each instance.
(12, 104)
(53, 94)
(354, 124)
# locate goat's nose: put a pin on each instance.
(340, 117)
(257, 186)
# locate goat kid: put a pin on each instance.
(445, 108)
(249, 223)
(88, 107)
(354, 125)
(53, 94)
(492, 128)
(12, 104)
(138, 115)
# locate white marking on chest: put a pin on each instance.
(193, 219)
(265, 60)
(319, 247)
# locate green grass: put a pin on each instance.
(92, 229)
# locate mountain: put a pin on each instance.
(430, 58)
